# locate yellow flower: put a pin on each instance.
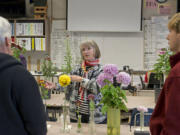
(64, 80)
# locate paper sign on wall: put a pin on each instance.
(151, 4)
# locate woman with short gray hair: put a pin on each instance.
(83, 79)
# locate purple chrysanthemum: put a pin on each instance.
(111, 69)
(102, 77)
(23, 60)
(123, 78)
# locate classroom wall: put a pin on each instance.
(118, 48)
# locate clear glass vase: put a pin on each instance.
(65, 119)
(113, 121)
(79, 125)
(92, 129)
(141, 120)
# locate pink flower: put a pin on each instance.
(162, 52)
(142, 109)
(91, 97)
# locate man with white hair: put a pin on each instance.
(21, 109)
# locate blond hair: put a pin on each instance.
(174, 23)
(93, 44)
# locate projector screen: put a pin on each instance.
(104, 15)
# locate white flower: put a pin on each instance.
(142, 109)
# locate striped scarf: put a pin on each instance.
(85, 75)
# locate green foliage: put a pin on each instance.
(162, 66)
(44, 92)
(48, 70)
(91, 105)
(17, 51)
(113, 97)
(67, 66)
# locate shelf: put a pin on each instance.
(31, 30)
(30, 36)
(27, 19)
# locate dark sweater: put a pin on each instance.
(21, 109)
(166, 116)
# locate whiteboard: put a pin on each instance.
(118, 48)
(104, 15)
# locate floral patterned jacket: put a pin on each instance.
(91, 87)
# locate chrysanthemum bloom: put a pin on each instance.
(123, 78)
(64, 80)
(91, 103)
(101, 80)
(142, 109)
(91, 97)
(23, 60)
(111, 69)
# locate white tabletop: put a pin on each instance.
(54, 128)
(133, 101)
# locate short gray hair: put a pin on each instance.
(92, 44)
(5, 30)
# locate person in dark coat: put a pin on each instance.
(21, 108)
(166, 116)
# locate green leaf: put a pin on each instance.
(113, 97)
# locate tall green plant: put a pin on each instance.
(48, 70)
(162, 66)
(67, 66)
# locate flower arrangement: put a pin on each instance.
(162, 66)
(91, 103)
(48, 70)
(109, 81)
(18, 52)
(142, 110)
(43, 89)
(64, 81)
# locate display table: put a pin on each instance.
(133, 101)
(54, 128)
(54, 105)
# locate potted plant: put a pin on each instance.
(44, 91)
(113, 97)
(162, 68)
